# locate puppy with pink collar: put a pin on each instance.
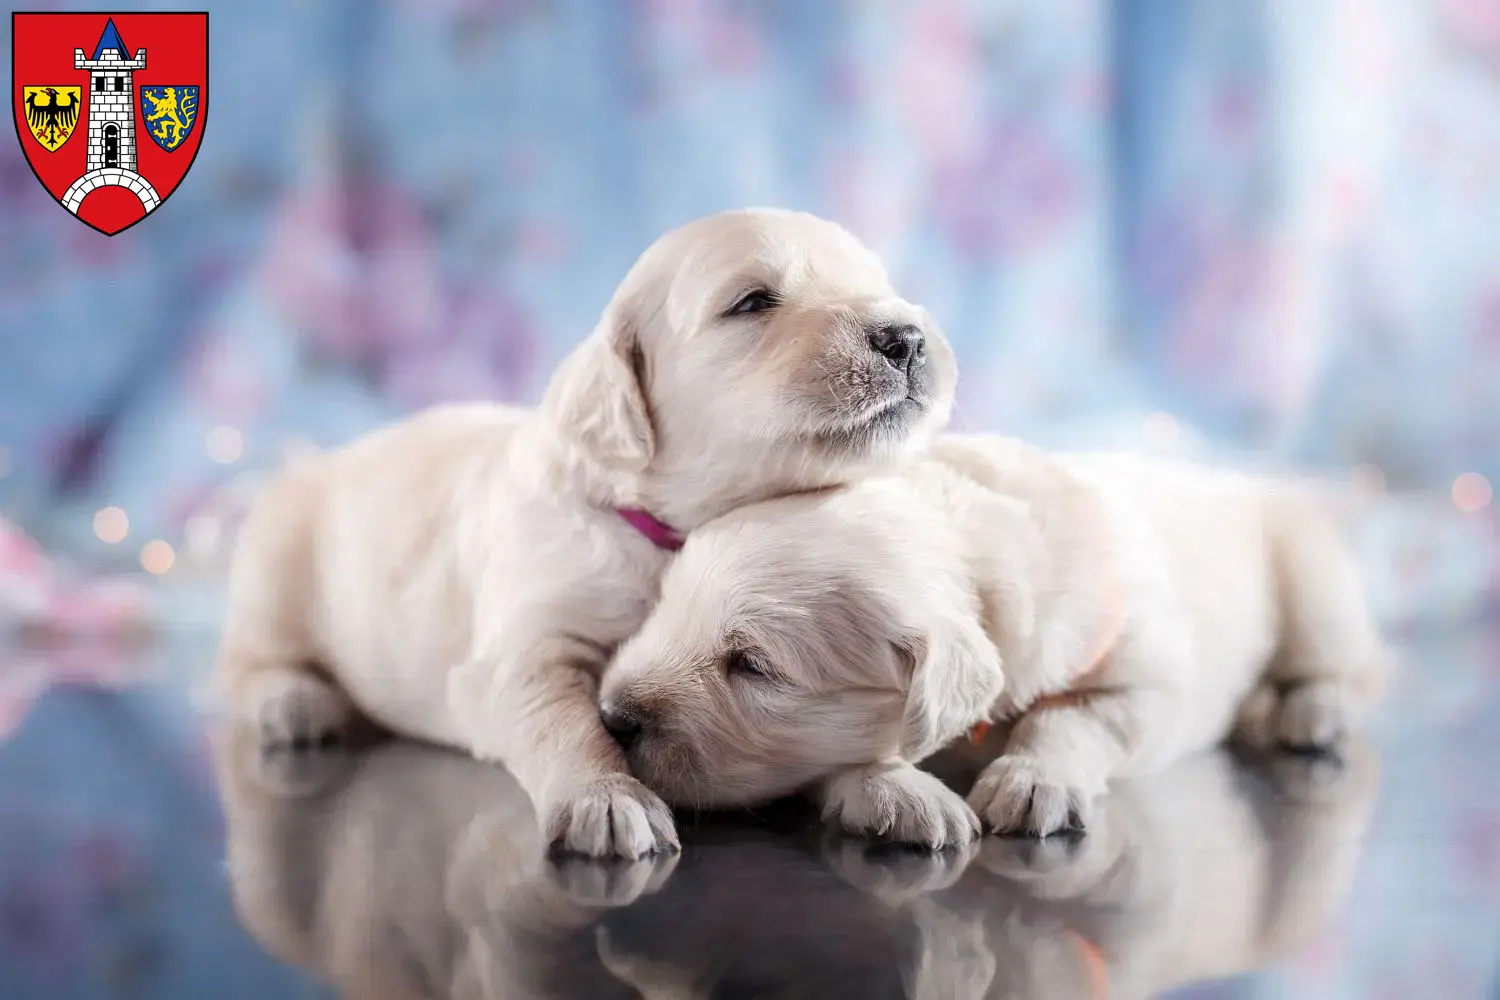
(464, 576)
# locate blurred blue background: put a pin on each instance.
(1263, 229)
(1258, 231)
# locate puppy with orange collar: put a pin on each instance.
(1106, 614)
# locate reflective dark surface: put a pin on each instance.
(145, 854)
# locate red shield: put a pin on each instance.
(110, 108)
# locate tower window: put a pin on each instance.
(117, 83)
(98, 84)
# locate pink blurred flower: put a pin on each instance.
(36, 593)
(1476, 22)
(940, 70)
(348, 265)
(222, 380)
(1016, 190)
(358, 273)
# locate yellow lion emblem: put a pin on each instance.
(165, 120)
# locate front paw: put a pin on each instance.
(297, 711)
(1025, 795)
(612, 817)
(1313, 717)
(899, 804)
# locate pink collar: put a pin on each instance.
(662, 535)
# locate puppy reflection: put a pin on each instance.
(408, 872)
(753, 913)
(1207, 871)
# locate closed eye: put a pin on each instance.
(756, 301)
(743, 663)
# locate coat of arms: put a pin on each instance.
(76, 72)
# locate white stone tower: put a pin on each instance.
(111, 112)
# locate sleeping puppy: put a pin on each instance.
(464, 576)
(1107, 614)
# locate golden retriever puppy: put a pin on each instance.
(464, 576)
(1107, 614)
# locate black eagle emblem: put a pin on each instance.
(52, 122)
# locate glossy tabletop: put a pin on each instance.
(145, 852)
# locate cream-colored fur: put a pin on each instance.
(464, 576)
(407, 872)
(1205, 871)
(836, 640)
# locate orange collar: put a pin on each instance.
(1077, 690)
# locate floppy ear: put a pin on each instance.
(955, 679)
(597, 400)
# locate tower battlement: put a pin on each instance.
(110, 59)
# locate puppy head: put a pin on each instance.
(762, 348)
(795, 637)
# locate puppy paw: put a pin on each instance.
(899, 804)
(1314, 716)
(612, 817)
(297, 710)
(1025, 795)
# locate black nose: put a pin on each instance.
(621, 723)
(900, 344)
